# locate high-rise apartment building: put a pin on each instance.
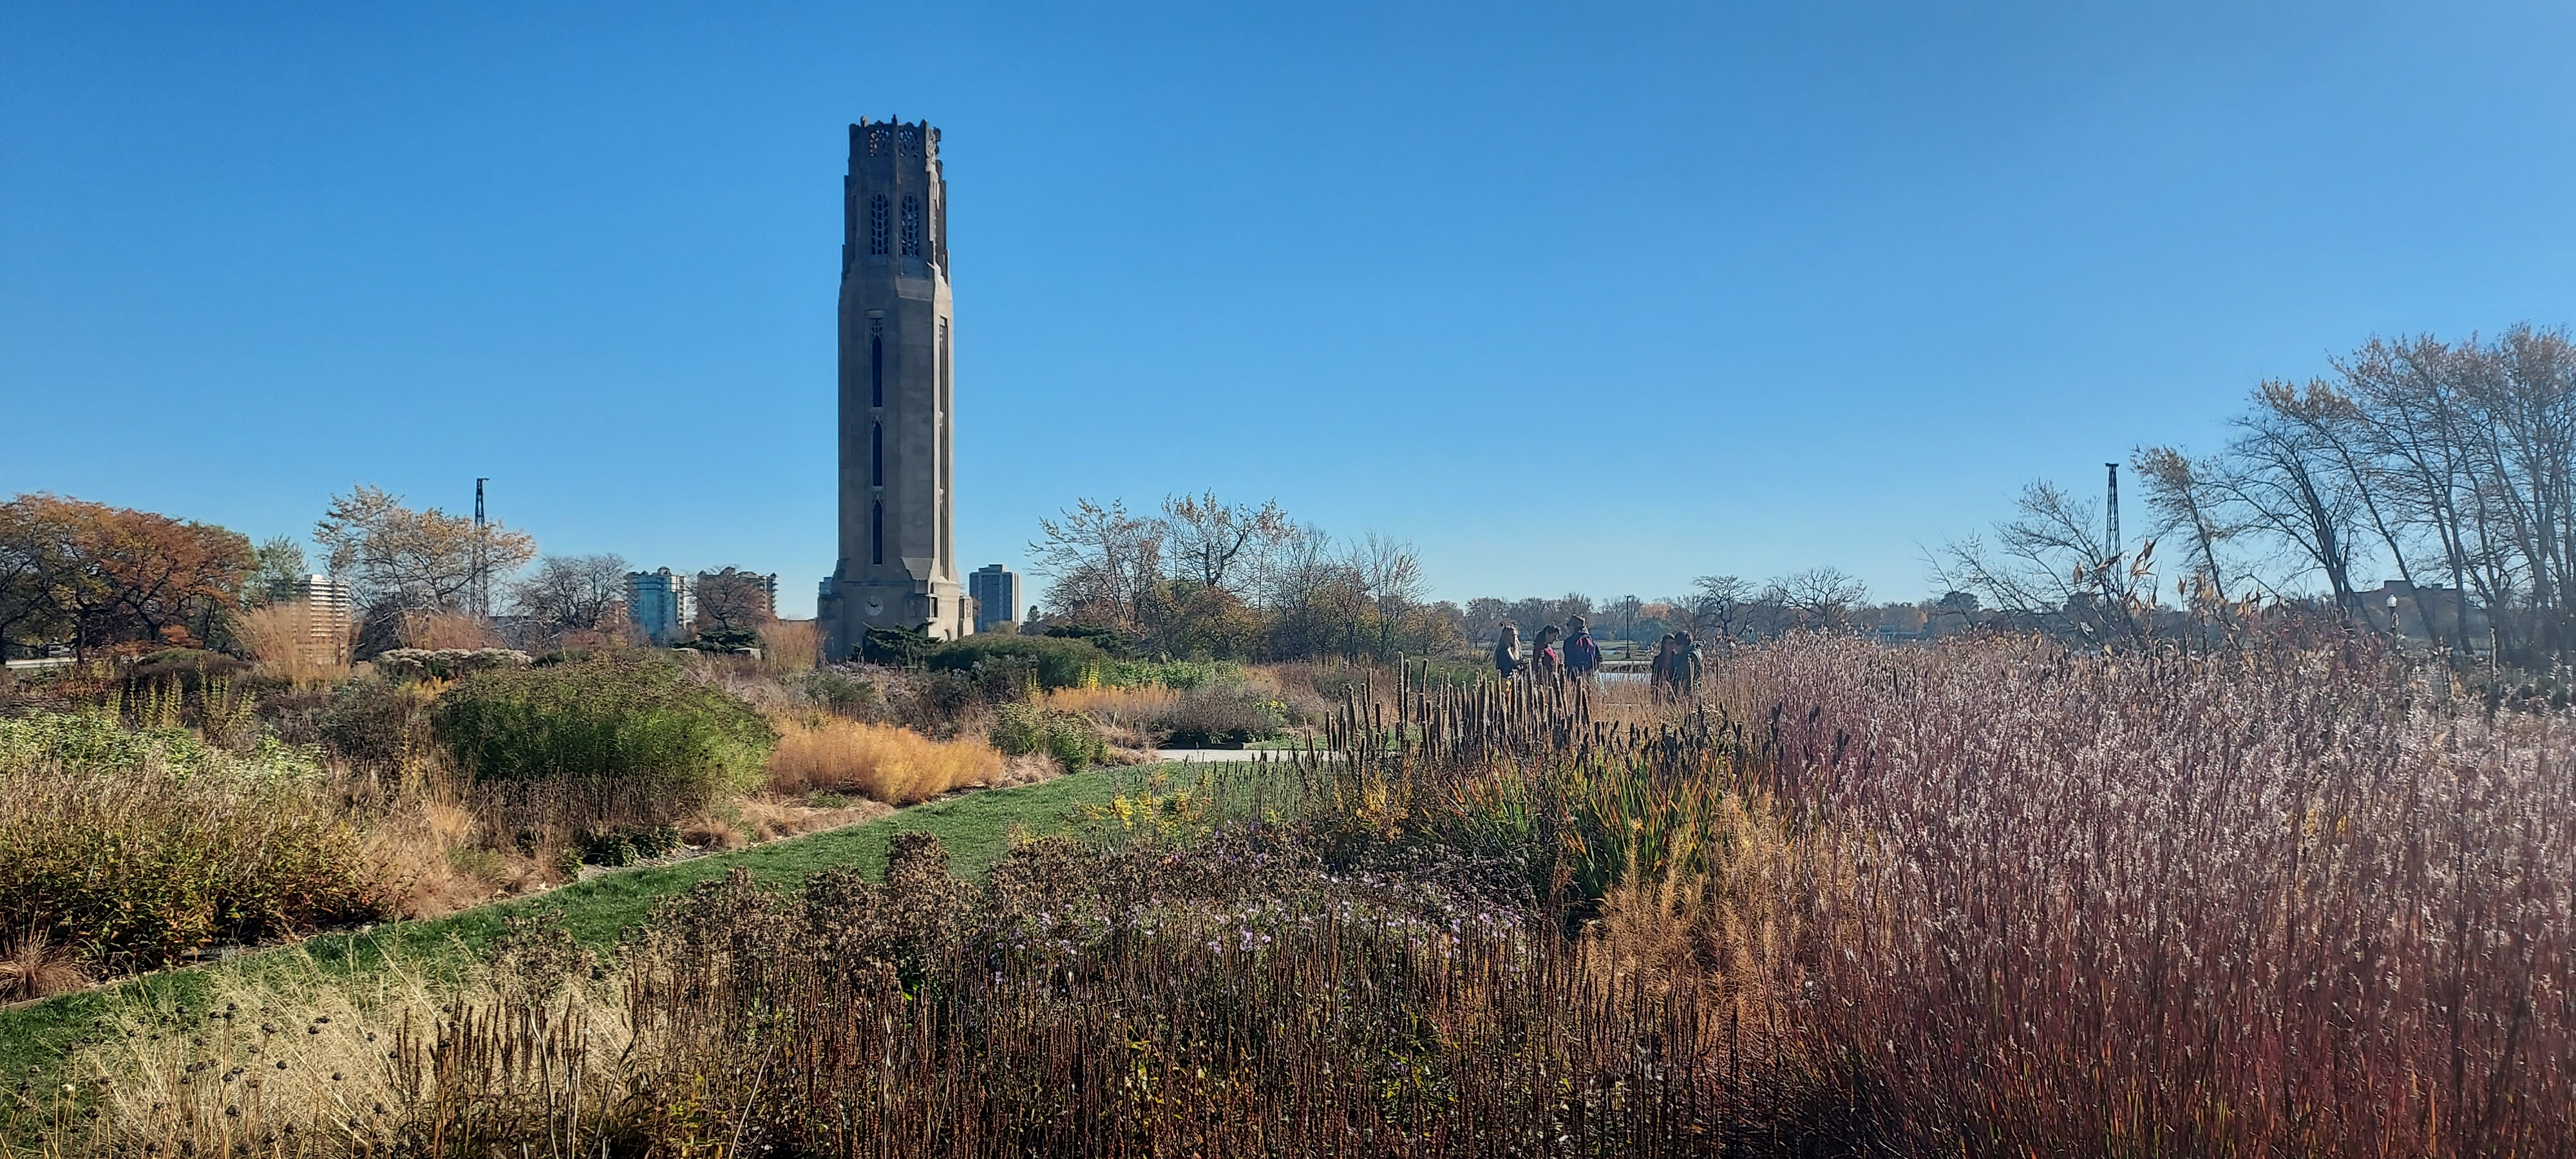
(662, 603)
(327, 609)
(996, 590)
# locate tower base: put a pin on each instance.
(847, 608)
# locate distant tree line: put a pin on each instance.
(1204, 577)
(2450, 464)
(1199, 576)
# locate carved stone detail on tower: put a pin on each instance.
(896, 429)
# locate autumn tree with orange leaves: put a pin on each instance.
(99, 577)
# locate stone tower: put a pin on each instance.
(897, 565)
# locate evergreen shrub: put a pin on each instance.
(1061, 662)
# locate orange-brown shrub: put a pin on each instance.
(876, 761)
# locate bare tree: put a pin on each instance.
(1310, 594)
(413, 561)
(1621, 615)
(2046, 565)
(1821, 598)
(2183, 500)
(2408, 397)
(2528, 453)
(1208, 542)
(733, 600)
(1390, 576)
(1720, 608)
(1103, 561)
(2282, 480)
(567, 593)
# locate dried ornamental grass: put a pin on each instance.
(34, 965)
(880, 762)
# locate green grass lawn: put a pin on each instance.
(976, 829)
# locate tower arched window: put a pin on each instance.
(876, 454)
(876, 532)
(877, 224)
(911, 226)
(876, 369)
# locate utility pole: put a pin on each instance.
(483, 557)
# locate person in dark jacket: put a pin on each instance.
(1507, 650)
(1582, 656)
(1660, 674)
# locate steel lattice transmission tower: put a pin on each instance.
(482, 556)
(2111, 525)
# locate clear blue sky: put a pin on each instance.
(1577, 297)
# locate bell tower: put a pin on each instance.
(897, 565)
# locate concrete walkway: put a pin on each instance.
(1227, 756)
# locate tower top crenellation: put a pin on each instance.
(894, 137)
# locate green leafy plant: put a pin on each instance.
(139, 846)
(1060, 662)
(845, 695)
(623, 720)
(1070, 738)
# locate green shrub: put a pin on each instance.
(623, 720)
(1223, 716)
(377, 723)
(658, 841)
(1177, 675)
(143, 845)
(1060, 662)
(845, 695)
(1071, 738)
(1109, 640)
(619, 847)
(609, 849)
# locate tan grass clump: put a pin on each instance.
(788, 647)
(427, 853)
(34, 965)
(289, 644)
(772, 819)
(876, 761)
(300, 1059)
(435, 630)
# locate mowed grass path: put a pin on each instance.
(976, 828)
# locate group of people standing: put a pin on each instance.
(1674, 674)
